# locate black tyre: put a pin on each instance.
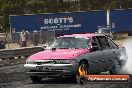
(81, 80)
(116, 68)
(36, 79)
(82, 71)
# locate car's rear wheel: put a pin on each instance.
(36, 78)
(82, 71)
(116, 68)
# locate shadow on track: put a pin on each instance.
(65, 80)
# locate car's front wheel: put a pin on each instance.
(36, 78)
(82, 70)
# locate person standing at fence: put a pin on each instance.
(23, 38)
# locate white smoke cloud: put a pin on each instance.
(127, 69)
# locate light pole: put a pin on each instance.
(108, 22)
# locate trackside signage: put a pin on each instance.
(62, 23)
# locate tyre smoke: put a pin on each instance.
(127, 68)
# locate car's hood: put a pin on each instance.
(58, 54)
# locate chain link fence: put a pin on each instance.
(35, 38)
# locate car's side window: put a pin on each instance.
(103, 42)
(95, 44)
(112, 44)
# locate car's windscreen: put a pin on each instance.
(70, 42)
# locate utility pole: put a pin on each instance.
(108, 22)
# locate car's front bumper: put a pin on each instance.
(51, 70)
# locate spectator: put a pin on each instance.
(23, 38)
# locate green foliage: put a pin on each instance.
(19, 7)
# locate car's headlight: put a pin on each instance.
(30, 62)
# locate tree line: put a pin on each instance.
(20, 7)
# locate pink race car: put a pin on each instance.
(76, 55)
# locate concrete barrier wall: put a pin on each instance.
(25, 51)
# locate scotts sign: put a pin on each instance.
(62, 23)
(58, 20)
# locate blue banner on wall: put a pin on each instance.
(62, 23)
